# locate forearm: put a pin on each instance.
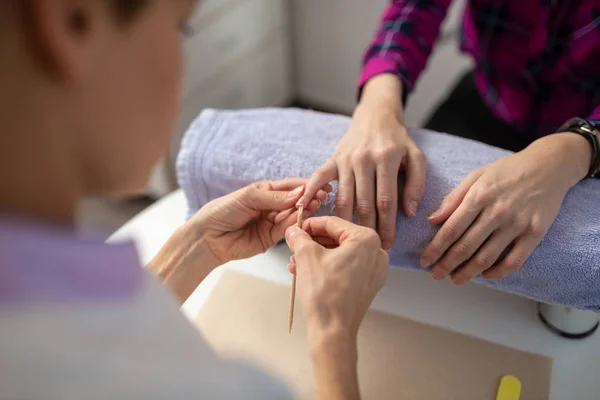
(404, 41)
(384, 90)
(334, 358)
(184, 261)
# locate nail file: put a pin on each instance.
(510, 388)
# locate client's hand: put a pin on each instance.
(252, 220)
(506, 207)
(340, 267)
(367, 160)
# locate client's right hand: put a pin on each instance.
(340, 268)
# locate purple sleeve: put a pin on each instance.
(595, 115)
(404, 40)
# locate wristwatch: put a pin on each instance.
(591, 131)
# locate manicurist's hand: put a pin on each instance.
(367, 160)
(240, 225)
(340, 267)
(509, 204)
(252, 220)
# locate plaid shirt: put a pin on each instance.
(537, 61)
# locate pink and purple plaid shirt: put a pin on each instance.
(537, 61)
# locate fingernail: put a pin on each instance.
(412, 208)
(386, 245)
(289, 234)
(425, 263)
(319, 204)
(435, 214)
(437, 276)
(296, 192)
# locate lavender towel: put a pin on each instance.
(225, 150)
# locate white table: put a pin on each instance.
(472, 309)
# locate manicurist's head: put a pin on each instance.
(89, 96)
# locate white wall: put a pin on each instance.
(329, 38)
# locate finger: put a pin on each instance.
(515, 259)
(365, 195)
(292, 183)
(486, 257)
(450, 232)
(453, 200)
(312, 207)
(333, 227)
(327, 173)
(298, 240)
(466, 246)
(414, 189)
(277, 217)
(326, 241)
(260, 197)
(387, 203)
(292, 269)
(344, 202)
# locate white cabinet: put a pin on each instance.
(238, 57)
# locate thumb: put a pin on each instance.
(298, 240)
(262, 198)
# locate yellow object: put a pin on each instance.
(510, 388)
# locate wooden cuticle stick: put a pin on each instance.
(293, 293)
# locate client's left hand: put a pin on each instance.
(509, 204)
(253, 219)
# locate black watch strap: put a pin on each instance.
(590, 131)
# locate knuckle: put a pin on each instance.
(342, 201)
(364, 208)
(462, 250)
(417, 189)
(443, 267)
(484, 260)
(385, 202)
(500, 212)
(449, 232)
(536, 228)
(479, 194)
(258, 185)
(361, 158)
(514, 264)
(386, 153)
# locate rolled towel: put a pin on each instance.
(223, 151)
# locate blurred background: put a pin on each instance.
(264, 53)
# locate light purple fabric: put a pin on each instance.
(226, 150)
(44, 264)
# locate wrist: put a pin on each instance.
(335, 361)
(570, 153)
(332, 340)
(184, 261)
